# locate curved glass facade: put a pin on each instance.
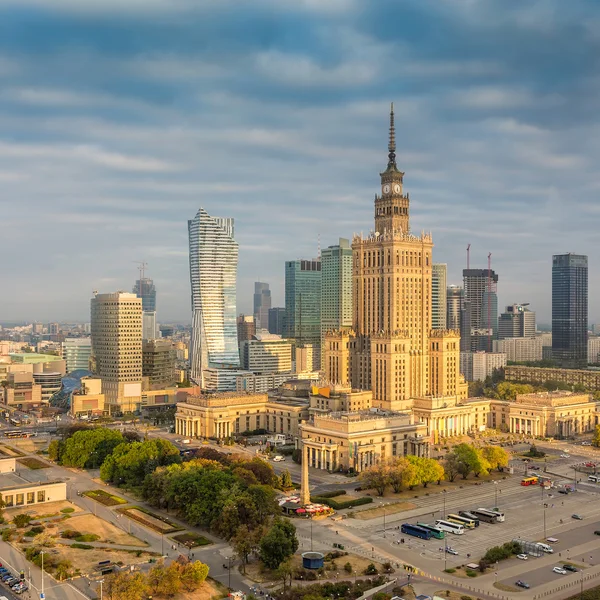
(213, 271)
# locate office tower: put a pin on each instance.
(158, 363)
(262, 304)
(246, 328)
(144, 288)
(37, 328)
(166, 331)
(593, 350)
(516, 321)
(438, 295)
(77, 353)
(266, 353)
(213, 270)
(570, 309)
(476, 366)
(481, 313)
(303, 302)
(117, 349)
(454, 297)
(336, 287)
(277, 320)
(53, 328)
(392, 348)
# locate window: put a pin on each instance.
(30, 497)
(8, 500)
(41, 496)
(20, 500)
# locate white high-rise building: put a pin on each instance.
(438, 295)
(77, 353)
(213, 271)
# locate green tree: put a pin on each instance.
(431, 471)
(262, 470)
(496, 456)
(596, 440)
(470, 460)
(125, 586)
(401, 473)
(285, 572)
(55, 450)
(375, 477)
(63, 570)
(193, 575)
(88, 448)
(278, 544)
(452, 466)
(243, 544)
(285, 480)
(21, 520)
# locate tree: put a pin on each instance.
(193, 575)
(63, 570)
(400, 473)
(126, 586)
(284, 572)
(376, 477)
(496, 456)
(21, 520)
(87, 449)
(451, 466)
(246, 542)
(470, 460)
(278, 544)
(431, 471)
(285, 480)
(165, 581)
(596, 440)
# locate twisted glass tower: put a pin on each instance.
(213, 270)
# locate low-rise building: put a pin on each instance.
(224, 415)
(359, 439)
(589, 378)
(89, 399)
(49, 382)
(33, 493)
(22, 391)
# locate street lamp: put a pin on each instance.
(444, 497)
(495, 494)
(101, 582)
(384, 505)
(42, 593)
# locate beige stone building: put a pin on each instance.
(588, 378)
(117, 349)
(392, 348)
(21, 391)
(355, 440)
(549, 414)
(33, 493)
(89, 400)
(229, 413)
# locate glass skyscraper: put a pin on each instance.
(213, 271)
(145, 289)
(570, 309)
(438, 295)
(262, 304)
(336, 287)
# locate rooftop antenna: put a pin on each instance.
(468, 256)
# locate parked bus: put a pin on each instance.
(529, 481)
(416, 531)
(499, 515)
(468, 515)
(594, 478)
(16, 433)
(450, 527)
(468, 523)
(484, 515)
(14, 421)
(436, 532)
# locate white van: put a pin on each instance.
(545, 548)
(278, 458)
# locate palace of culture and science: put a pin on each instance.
(391, 385)
(392, 349)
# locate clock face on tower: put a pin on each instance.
(397, 188)
(386, 188)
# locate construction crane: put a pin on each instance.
(142, 269)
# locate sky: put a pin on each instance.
(120, 118)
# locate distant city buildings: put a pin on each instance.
(277, 320)
(476, 366)
(77, 353)
(524, 349)
(516, 321)
(262, 304)
(454, 299)
(144, 288)
(266, 353)
(570, 309)
(593, 354)
(117, 349)
(439, 296)
(336, 287)
(303, 303)
(213, 271)
(480, 309)
(246, 328)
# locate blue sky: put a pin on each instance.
(120, 118)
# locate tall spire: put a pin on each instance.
(392, 143)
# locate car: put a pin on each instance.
(278, 458)
(563, 491)
(522, 584)
(522, 556)
(590, 465)
(19, 584)
(565, 456)
(577, 517)
(6, 577)
(450, 550)
(570, 568)
(586, 443)
(526, 460)
(597, 532)
(559, 570)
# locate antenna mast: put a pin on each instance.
(468, 256)
(142, 269)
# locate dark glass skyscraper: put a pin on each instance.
(262, 304)
(570, 309)
(144, 289)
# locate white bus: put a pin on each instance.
(594, 478)
(456, 528)
(499, 515)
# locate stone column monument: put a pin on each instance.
(304, 489)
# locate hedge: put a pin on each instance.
(344, 504)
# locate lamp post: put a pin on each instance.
(544, 509)
(444, 497)
(101, 582)
(311, 545)
(384, 520)
(42, 593)
(581, 585)
(495, 494)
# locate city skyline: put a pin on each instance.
(283, 132)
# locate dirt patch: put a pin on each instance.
(37, 511)
(378, 511)
(210, 590)
(105, 531)
(32, 463)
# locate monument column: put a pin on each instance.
(304, 490)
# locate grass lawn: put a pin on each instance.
(104, 497)
(191, 540)
(149, 519)
(32, 463)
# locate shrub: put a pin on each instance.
(333, 494)
(87, 537)
(21, 520)
(348, 567)
(450, 570)
(343, 504)
(35, 530)
(70, 534)
(6, 535)
(371, 570)
(82, 546)
(471, 573)
(466, 598)
(67, 510)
